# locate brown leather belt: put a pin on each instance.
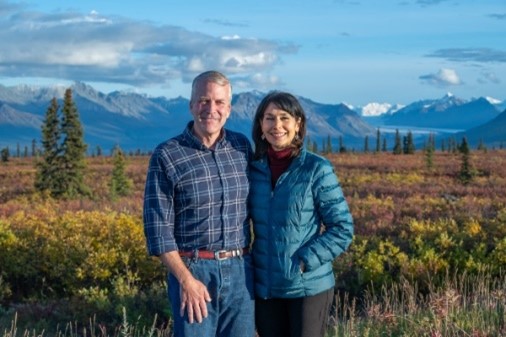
(215, 255)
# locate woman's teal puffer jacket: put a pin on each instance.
(287, 224)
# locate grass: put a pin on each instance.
(93, 329)
(466, 305)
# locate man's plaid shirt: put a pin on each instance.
(196, 198)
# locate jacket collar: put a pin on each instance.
(263, 164)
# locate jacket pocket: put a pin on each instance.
(292, 268)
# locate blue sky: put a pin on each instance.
(332, 51)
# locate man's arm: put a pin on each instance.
(194, 294)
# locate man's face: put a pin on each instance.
(210, 109)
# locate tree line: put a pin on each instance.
(61, 161)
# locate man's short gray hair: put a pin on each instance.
(210, 76)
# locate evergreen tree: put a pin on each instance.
(429, 157)
(397, 145)
(384, 146)
(48, 169)
(329, 144)
(378, 140)
(120, 185)
(409, 145)
(34, 148)
(429, 152)
(4, 154)
(73, 150)
(482, 146)
(432, 142)
(366, 144)
(466, 172)
(342, 148)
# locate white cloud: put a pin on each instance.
(444, 77)
(93, 47)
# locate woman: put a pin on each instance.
(301, 223)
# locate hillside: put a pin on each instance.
(139, 122)
(492, 133)
(448, 112)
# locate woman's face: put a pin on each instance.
(279, 127)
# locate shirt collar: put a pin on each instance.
(194, 142)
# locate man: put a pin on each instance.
(195, 217)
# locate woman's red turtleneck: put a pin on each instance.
(278, 162)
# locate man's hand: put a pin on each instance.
(194, 298)
(193, 293)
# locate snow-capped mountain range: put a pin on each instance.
(135, 121)
(375, 109)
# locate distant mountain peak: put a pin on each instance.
(492, 100)
(379, 109)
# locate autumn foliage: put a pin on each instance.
(84, 257)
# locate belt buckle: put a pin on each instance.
(217, 255)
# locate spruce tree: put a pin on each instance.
(397, 146)
(120, 185)
(73, 150)
(342, 148)
(378, 141)
(4, 154)
(34, 148)
(429, 152)
(466, 172)
(409, 145)
(366, 144)
(329, 144)
(48, 168)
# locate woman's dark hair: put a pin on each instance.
(288, 103)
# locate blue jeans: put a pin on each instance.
(231, 313)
